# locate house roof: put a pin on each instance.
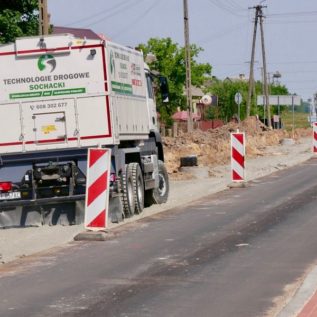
(81, 33)
(241, 77)
(196, 91)
(183, 116)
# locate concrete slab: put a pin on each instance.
(91, 236)
(287, 141)
(237, 185)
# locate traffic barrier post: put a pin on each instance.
(97, 189)
(315, 137)
(238, 156)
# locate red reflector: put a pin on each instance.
(5, 186)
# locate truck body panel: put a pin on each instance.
(53, 101)
(128, 90)
(61, 95)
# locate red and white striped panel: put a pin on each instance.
(315, 137)
(237, 156)
(97, 188)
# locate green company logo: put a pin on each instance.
(46, 61)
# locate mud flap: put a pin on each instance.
(115, 210)
(64, 214)
(21, 217)
(59, 214)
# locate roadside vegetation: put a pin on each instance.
(18, 18)
(300, 120)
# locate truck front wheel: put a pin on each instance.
(128, 200)
(138, 187)
(159, 195)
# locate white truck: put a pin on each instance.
(59, 96)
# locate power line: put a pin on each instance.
(236, 5)
(108, 12)
(293, 62)
(230, 6)
(230, 30)
(300, 72)
(293, 22)
(291, 14)
(138, 18)
(225, 8)
(229, 64)
(118, 11)
(271, 63)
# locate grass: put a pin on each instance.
(300, 120)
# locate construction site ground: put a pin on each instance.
(266, 152)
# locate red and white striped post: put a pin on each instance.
(315, 137)
(238, 156)
(97, 189)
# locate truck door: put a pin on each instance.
(151, 102)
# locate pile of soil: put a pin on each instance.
(212, 147)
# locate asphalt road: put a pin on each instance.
(236, 253)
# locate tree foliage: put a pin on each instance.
(170, 62)
(226, 90)
(18, 18)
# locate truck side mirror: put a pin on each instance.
(164, 88)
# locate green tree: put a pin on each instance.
(170, 62)
(18, 18)
(226, 89)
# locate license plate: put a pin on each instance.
(13, 195)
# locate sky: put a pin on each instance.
(223, 28)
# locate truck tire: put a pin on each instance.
(138, 187)
(159, 195)
(128, 200)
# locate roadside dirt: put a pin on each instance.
(212, 147)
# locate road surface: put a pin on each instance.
(237, 253)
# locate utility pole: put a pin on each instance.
(266, 90)
(269, 82)
(43, 17)
(251, 76)
(188, 68)
(259, 15)
(263, 93)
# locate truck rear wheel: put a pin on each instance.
(159, 195)
(138, 187)
(128, 200)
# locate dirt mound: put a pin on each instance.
(213, 146)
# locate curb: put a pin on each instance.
(302, 296)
